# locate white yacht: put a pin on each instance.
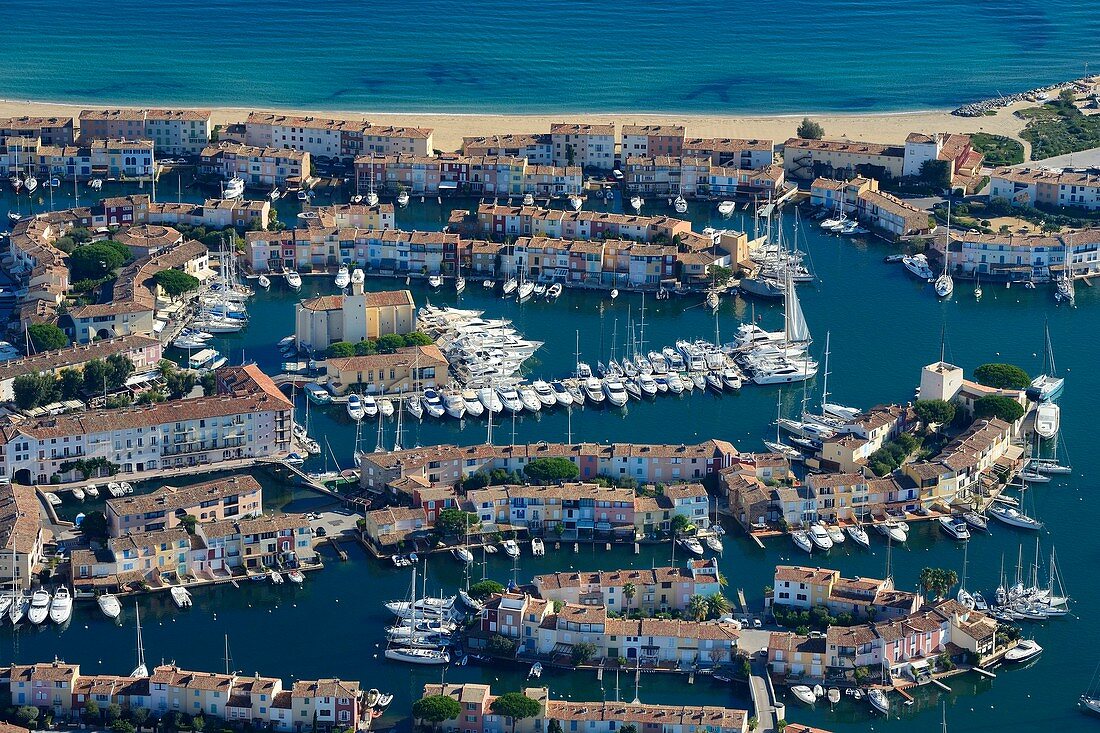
(511, 549)
(509, 286)
(433, 404)
(293, 279)
(1026, 649)
(680, 204)
(893, 530)
(357, 276)
(615, 391)
(525, 290)
(234, 188)
(509, 397)
(820, 536)
(435, 281)
(61, 607)
(489, 399)
(530, 399)
(472, 404)
(917, 265)
(647, 384)
(355, 407)
(1047, 419)
(414, 407)
(403, 198)
(636, 203)
(561, 394)
(802, 540)
(1013, 517)
(109, 605)
(544, 393)
(40, 606)
(593, 390)
(343, 277)
(180, 596)
(955, 528)
(264, 281)
(370, 405)
(692, 545)
(945, 285)
(454, 405)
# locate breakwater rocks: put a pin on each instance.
(980, 108)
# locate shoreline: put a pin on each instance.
(451, 127)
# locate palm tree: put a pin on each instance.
(629, 591)
(697, 607)
(718, 605)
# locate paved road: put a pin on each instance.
(1082, 159)
(765, 712)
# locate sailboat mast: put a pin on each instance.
(825, 378)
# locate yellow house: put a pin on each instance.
(45, 686)
(164, 551)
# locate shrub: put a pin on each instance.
(810, 130)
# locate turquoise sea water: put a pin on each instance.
(555, 56)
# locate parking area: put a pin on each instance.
(333, 522)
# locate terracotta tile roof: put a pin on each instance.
(573, 128)
(406, 356)
(20, 524)
(799, 574)
(170, 498)
(325, 688)
(48, 361)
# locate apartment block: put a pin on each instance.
(652, 590)
(805, 588)
(59, 131)
(256, 166)
(172, 131)
(589, 146)
(651, 141)
(749, 154)
(334, 138)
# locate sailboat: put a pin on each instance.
(1048, 386)
(788, 368)
(680, 203)
(778, 446)
(140, 670)
(372, 197)
(978, 288)
(945, 285)
(460, 282)
(400, 647)
(1064, 287)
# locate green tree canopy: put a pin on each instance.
(95, 260)
(94, 526)
(485, 588)
(366, 348)
(517, 706)
(551, 470)
(32, 390)
(998, 406)
(679, 523)
(583, 651)
(938, 581)
(436, 708)
(697, 607)
(69, 384)
(453, 521)
(340, 350)
(176, 282)
(25, 715)
(936, 173)
(417, 338)
(47, 337)
(390, 343)
(810, 130)
(939, 412)
(178, 381)
(95, 376)
(119, 368)
(1002, 376)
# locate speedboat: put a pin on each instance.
(462, 555)
(511, 549)
(616, 392)
(509, 286)
(385, 407)
(528, 199)
(955, 528)
(1023, 651)
(91, 491)
(891, 529)
(1014, 517)
(820, 537)
(343, 277)
(355, 407)
(731, 379)
(635, 203)
(1047, 417)
(725, 208)
(675, 383)
(879, 701)
(460, 284)
(264, 281)
(575, 392)
(859, 535)
(180, 596)
(554, 291)
(802, 540)
(647, 384)
(804, 694)
(692, 545)
(453, 404)
(403, 198)
(836, 534)
(576, 202)
(538, 549)
(296, 577)
(357, 276)
(471, 403)
(413, 406)
(293, 279)
(78, 493)
(61, 607)
(1047, 387)
(370, 405)
(435, 281)
(40, 607)
(561, 394)
(433, 404)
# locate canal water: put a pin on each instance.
(884, 327)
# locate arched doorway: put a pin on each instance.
(23, 476)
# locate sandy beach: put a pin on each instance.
(450, 128)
